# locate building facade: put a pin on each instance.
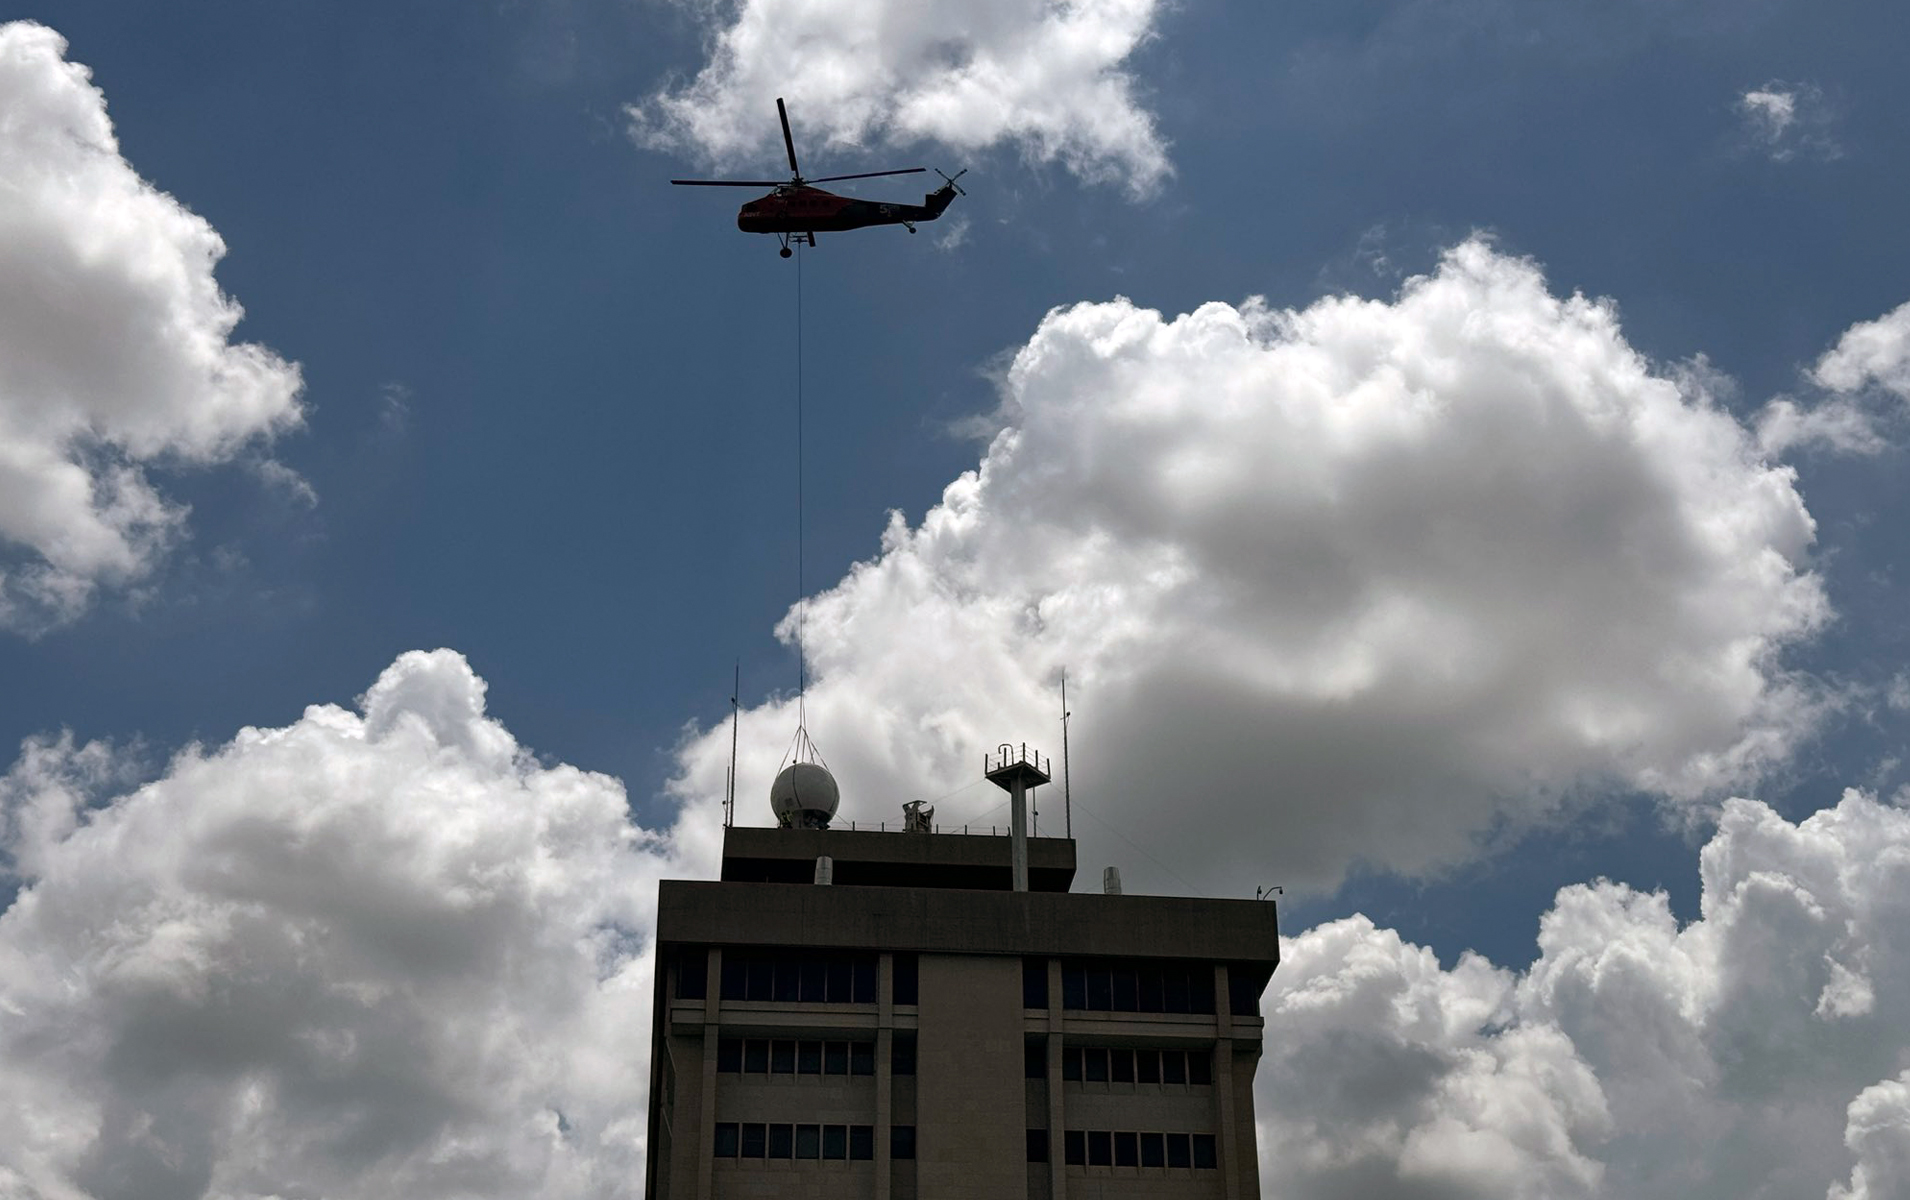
(898, 1021)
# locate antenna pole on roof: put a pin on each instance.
(729, 796)
(1067, 797)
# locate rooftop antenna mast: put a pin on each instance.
(729, 795)
(1067, 796)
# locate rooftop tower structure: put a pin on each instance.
(914, 1013)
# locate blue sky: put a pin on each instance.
(1362, 585)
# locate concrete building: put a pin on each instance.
(864, 1013)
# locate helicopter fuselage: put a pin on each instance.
(805, 209)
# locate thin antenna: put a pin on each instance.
(729, 800)
(1067, 796)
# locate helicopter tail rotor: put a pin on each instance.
(949, 180)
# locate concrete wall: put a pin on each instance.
(951, 921)
(970, 1098)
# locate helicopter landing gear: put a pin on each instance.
(793, 239)
(785, 252)
(909, 225)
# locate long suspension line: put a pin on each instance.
(802, 660)
(802, 748)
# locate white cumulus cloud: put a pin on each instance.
(1870, 354)
(369, 954)
(115, 350)
(1736, 1057)
(1364, 580)
(1049, 80)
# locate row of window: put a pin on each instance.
(1095, 1064)
(764, 1056)
(851, 1142)
(849, 977)
(796, 976)
(1101, 986)
(1104, 1148)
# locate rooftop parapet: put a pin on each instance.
(873, 858)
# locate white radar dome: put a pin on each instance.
(804, 796)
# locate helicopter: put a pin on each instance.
(796, 209)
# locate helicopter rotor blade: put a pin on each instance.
(868, 175)
(729, 182)
(789, 142)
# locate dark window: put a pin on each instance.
(1074, 986)
(1200, 989)
(788, 982)
(814, 976)
(729, 1054)
(808, 1141)
(862, 1142)
(861, 1058)
(1173, 990)
(1173, 1066)
(1100, 989)
(1071, 1064)
(1094, 1063)
(782, 1057)
(1074, 1148)
(1121, 1066)
(1034, 983)
(865, 981)
(835, 1058)
(1037, 1145)
(839, 978)
(1126, 1150)
(782, 1141)
(901, 1141)
(1147, 1066)
(1178, 1154)
(1150, 989)
(1243, 997)
(1153, 1150)
(1124, 991)
(1204, 1152)
(692, 973)
(835, 1141)
(725, 1139)
(902, 1054)
(1034, 1058)
(754, 1144)
(1100, 1148)
(735, 977)
(762, 978)
(1200, 1067)
(756, 1056)
(808, 1058)
(907, 983)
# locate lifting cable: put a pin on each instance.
(801, 749)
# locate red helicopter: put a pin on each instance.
(796, 210)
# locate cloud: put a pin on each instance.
(1838, 424)
(1369, 579)
(1852, 415)
(1788, 120)
(1879, 1135)
(390, 952)
(1047, 80)
(1870, 354)
(369, 954)
(1634, 1058)
(114, 346)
